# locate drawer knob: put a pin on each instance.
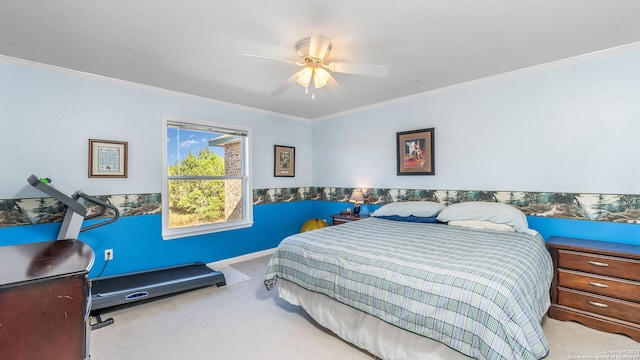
(600, 305)
(598, 263)
(597, 284)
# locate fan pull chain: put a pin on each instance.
(306, 91)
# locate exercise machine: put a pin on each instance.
(76, 212)
(121, 289)
(110, 291)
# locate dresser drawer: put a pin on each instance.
(602, 305)
(599, 264)
(603, 285)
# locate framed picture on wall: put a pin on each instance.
(415, 151)
(107, 159)
(284, 161)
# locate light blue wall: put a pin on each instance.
(570, 127)
(47, 116)
(567, 127)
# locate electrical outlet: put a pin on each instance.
(108, 254)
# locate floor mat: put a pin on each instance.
(231, 275)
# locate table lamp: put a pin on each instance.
(357, 199)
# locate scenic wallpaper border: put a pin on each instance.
(620, 208)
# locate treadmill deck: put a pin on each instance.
(122, 289)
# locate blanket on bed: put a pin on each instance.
(482, 293)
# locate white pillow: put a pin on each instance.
(477, 210)
(482, 225)
(410, 208)
(533, 232)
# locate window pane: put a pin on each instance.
(206, 178)
(199, 202)
(190, 153)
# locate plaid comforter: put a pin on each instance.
(482, 293)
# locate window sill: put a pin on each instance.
(205, 229)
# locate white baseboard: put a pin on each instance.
(241, 258)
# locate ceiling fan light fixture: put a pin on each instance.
(320, 77)
(319, 45)
(314, 50)
(303, 76)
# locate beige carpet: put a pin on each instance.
(245, 321)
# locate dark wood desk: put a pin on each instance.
(45, 300)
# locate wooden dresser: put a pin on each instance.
(597, 284)
(45, 300)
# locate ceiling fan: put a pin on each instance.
(313, 51)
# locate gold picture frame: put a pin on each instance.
(107, 159)
(415, 152)
(284, 161)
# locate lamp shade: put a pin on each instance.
(304, 76)
(356, 197)
(320, 77)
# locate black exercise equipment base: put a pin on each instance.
(117, 290)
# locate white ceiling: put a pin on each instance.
(194, 46)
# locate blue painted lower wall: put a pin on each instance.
(585, 229)
(138, 245)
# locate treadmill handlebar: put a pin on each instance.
(72, 202)
(53, 192)
(104, 205)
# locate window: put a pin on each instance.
(205, 183)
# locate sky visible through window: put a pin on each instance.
(181, 141)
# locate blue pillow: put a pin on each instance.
(410, 208)
(418, 219)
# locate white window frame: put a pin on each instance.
(247, 196)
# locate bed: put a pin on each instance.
(406, 290)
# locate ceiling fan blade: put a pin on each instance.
(380, 71)
(318, 45)
(284, 86)
(334, 85)
(291, 62)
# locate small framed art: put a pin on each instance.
(107, 159)
(284, 161)
(415, 150)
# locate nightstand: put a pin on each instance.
(338, 219)
(597, 284)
